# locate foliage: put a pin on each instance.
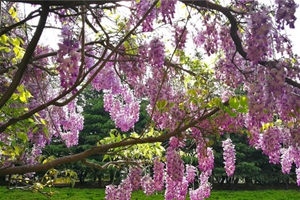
(82, 194)
(252, 166)
(97, 125)
(48, 180)
(143, 152)
(121, 50)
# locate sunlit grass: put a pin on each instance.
(256, 195)
(93, 194)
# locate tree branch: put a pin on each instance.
(55, 100)
(23, 65)
(227, 12)
(233, 30)
(29, 17)
(291, 82)
(103, 148)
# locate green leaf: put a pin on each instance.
(24, 94)
(158, 4)
(234, 103)
(210, 143)
(23, 97)
(43, 121)
(7, 153)
(215, 102)
(242, 110)
(230, 113)
(17, 150)
(105, 157)
(13, 143)
(244, 101)
(119, 137)
(192, 92)
(73, 182)
(22, 136)
(127, 45)
(3, 39)
(46, 132)
(35, 129)
(18, 52)
(12, 12)
(15, 42)
(161, 104)
(6, 49)
(227, 109)
(113, 137)
(150, 133)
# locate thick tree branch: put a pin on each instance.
(200, 3)
(66, 4)
(55, 100)
(29, 17)
(291, 82)
(227, 12)
(107, 58)
(104, 148)
(233, 30)
(27, 56)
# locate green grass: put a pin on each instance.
(69, 194)
(93, 194)
(256, 195)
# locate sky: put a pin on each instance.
(294, 34)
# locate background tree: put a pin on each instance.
(97, 125)
(121, 49)
(252, 166)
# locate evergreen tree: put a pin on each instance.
(97, 125)
(252, 166)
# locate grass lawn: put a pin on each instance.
(93, 194)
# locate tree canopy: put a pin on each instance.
(157, 51)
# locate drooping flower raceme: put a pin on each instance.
(122, 192)
(68, 58)
(271, 146)
(205, 157)
(167, 10)
(287, 160)
(176, 182)
(175, 166)
(204, 188)
(285, 13)
(298, 176)
(148, 185)
(123, 108)
(229, 156)
(156, 53)
(180, 36)
(111, 192)
(190, 173)
(135, 177)
(176, 189)
(158, 175)
(142, 8)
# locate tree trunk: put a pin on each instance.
(100, 180)
(81, 177)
